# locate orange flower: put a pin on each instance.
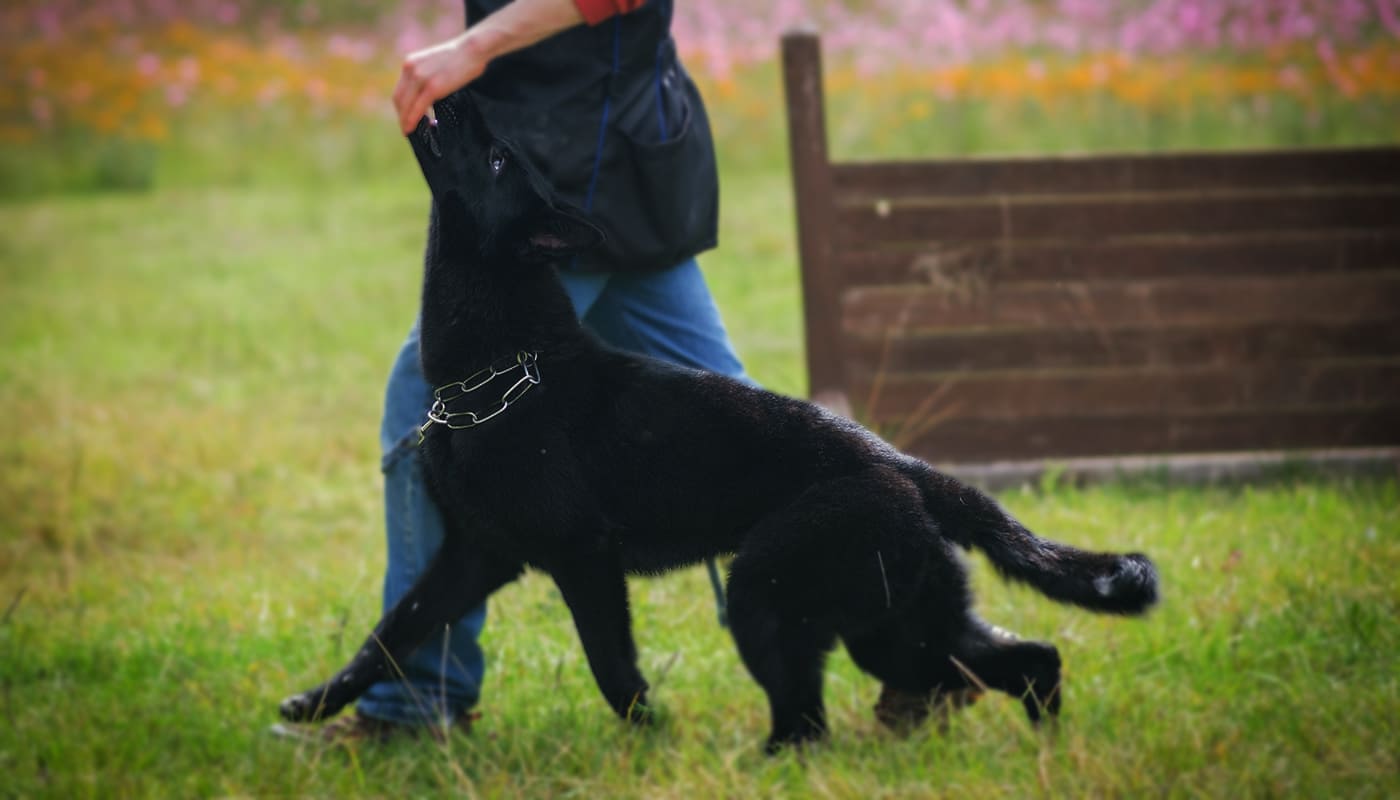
(152, 128)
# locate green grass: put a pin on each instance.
(190, 381)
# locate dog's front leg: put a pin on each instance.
(455, 582)
(595, 589)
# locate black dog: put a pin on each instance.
(547, 449)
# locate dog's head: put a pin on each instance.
(487, 191)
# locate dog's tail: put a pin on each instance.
(1104, 582)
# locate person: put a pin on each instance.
(593, 92)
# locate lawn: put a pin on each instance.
(190, 530)
(194, 334)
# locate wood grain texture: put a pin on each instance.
(1133, 346)
(1090, 305)
(1167, 393)
(1110, 217)
(998, 440)
(1182, 255)
(1191, 172)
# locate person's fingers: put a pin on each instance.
(418, 107)
(415, 79)
(405, 88)
(414, 106)
(430, 75)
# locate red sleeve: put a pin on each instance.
(595, 11)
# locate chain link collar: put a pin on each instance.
(525, 362)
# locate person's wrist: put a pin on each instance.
(478, 45)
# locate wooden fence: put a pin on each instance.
(1004, 309)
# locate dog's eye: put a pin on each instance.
(497, 160)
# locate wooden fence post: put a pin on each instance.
(811, 177)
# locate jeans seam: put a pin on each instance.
(404, 446)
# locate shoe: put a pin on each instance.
(355, 729)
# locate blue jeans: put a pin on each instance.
(667, 315)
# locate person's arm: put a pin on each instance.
(434, 72)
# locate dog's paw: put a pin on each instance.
(639, 713)
(902, 711)
(1042, 707)
(798, 734)
(304, 707)
(797, 741)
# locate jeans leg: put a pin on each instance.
(584, 289)
(443, 677)
(668, 315)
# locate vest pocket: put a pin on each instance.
(658, 200)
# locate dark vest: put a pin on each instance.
(611, 118)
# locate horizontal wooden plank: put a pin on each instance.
(1112, 217)
(1273, 253)
(1082, 305)
(1039, 394)
(1181, 468)
(1373, 166)
(1124, 347)
(997, 440)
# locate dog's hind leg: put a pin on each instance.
(454, 582)
(786, 655)
(595, 590)
(1024, 669)
(847, 549)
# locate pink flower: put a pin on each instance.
(1390, 18)
(316, 90)
(188, 69)
(147, 64)
(226, 13)
(1290, 77)
(176, 95)
(270, 93)
(42, 111)
(1328, 54)
(48, 20)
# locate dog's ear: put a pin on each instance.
(557, 234)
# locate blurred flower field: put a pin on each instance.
(114, 93)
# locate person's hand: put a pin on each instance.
(430, 74)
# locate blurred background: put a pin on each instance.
(131, 94)
(210, 247)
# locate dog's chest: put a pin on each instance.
(522, 480)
